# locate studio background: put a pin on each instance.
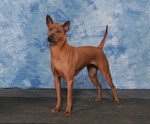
(24, 50)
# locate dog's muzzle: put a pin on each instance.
(50, 38)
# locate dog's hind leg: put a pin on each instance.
(104, 68)
(92, 71)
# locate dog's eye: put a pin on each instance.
(58, 31)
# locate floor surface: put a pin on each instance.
(134, 107)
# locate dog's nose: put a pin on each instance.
(50, 36)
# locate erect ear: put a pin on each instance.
(49, 20)
(66, 26)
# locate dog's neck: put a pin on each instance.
(61, 47)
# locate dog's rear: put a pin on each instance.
(90, 51)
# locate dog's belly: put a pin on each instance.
(82, 65)
(78, 70)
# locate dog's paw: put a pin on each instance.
(67, 113)
(55, 110)
(98, 99)
(116, 102)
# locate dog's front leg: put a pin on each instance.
(58, 92)
(69, 96)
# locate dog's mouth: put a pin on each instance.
(52, 41)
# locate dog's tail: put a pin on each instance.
(104, 38)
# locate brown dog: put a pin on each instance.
(67, 61)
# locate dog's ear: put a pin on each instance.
(49, 20)
(66, 26)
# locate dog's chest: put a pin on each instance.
(59, 67)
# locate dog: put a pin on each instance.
(67, 61)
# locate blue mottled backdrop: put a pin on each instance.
(24, 50)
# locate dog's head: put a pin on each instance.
(56, 31)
